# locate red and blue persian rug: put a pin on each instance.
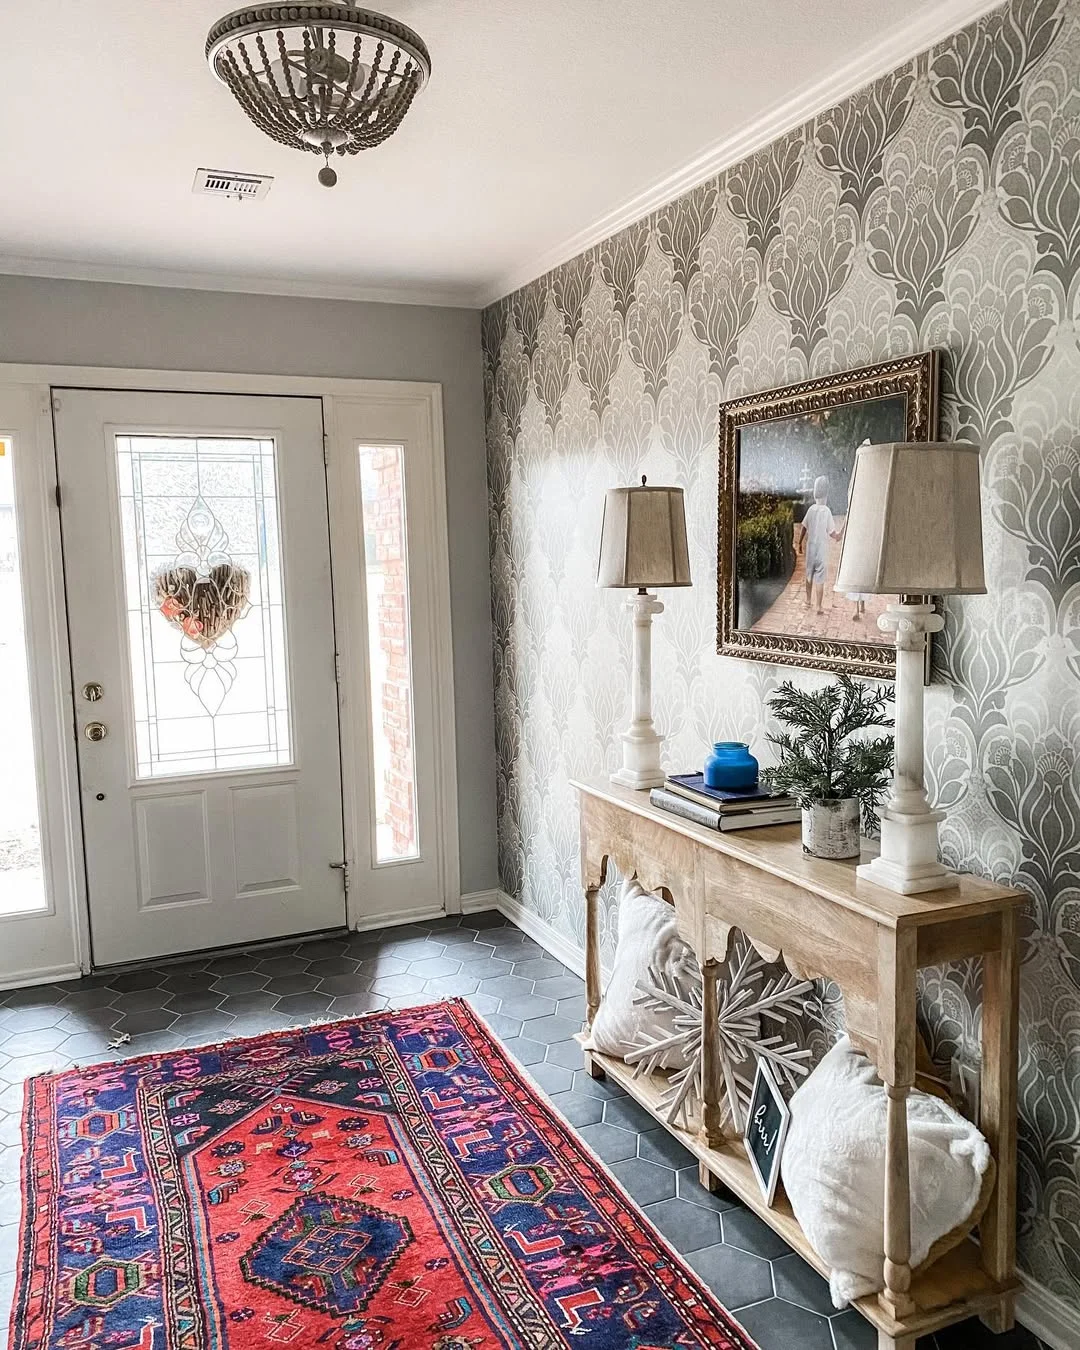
(389, 1183)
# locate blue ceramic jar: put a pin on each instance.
(731, 766)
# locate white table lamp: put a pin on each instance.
(643, 544)
(914, 530)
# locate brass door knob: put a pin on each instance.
(95, 731)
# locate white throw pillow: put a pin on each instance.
(648, 938)
(833, 1167)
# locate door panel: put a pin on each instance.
(173, 842)
(197, 557)
(262, 863)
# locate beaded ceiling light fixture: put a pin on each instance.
(332, 79)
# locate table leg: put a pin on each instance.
(712, 1074)
(997, 1115)
(592, 970)
(896, 1296)
(592, 954)
(887, 1342)
(896, 1065)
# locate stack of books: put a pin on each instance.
(686, 795)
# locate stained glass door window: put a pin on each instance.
(205, 603)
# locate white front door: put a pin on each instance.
(197, 561)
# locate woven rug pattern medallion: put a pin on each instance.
(388, 1183)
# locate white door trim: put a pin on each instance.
(36, 381)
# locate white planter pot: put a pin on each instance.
(831, 829)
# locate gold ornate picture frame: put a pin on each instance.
(785, 465)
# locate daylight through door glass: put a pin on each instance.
(205, 603)
(382, 484)
(22, 875)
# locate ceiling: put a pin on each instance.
(546, 124)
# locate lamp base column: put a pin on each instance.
(641, 762)
(908, 862)
(641, 741)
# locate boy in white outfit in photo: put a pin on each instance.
(817, 527)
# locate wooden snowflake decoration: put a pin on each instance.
(746, 1000)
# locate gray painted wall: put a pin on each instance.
(91, 323)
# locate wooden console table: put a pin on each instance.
(820, 920)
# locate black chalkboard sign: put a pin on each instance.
(766, 1128)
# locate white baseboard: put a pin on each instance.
(1048, 1315)
(569, 953)
(44, 975)
(562, 948)
(475, 902)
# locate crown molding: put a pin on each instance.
(922, 33)
(61, 269)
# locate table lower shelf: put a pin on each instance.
(953, 1288)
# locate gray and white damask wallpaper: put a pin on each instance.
(939, 207)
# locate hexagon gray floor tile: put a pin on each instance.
(530, 1001)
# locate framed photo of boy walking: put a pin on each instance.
(786, 460)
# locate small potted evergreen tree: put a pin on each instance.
(834, 773)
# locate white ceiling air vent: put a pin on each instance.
(242, 186)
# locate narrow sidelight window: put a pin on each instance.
(390, 675)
